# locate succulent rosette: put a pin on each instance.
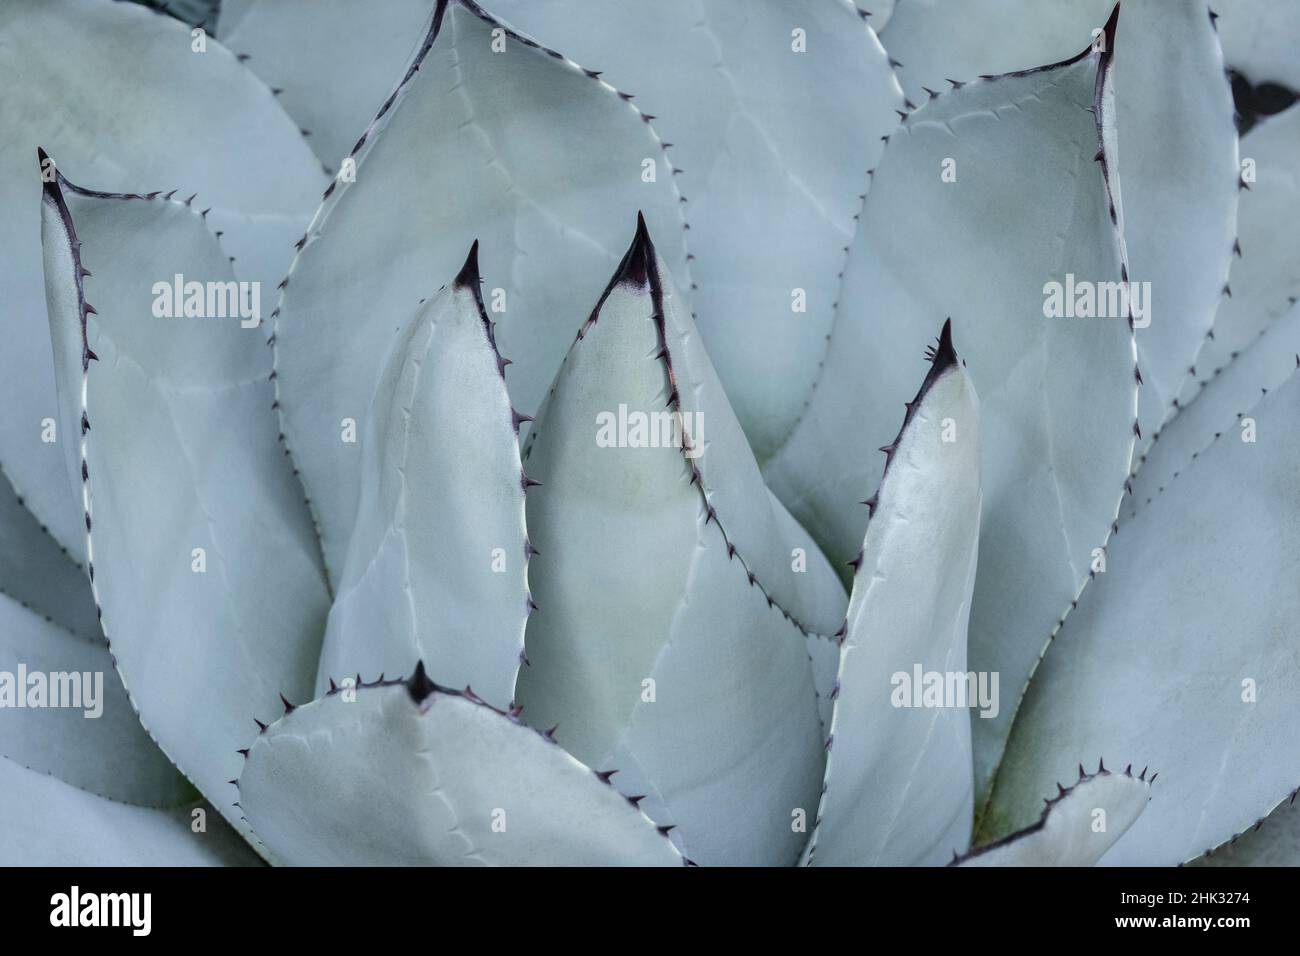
(447, 435)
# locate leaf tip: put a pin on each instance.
(468, 277)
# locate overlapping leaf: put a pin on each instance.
(775, 112)
(437, 566)
(1078, 825)
(120, 96)
(83, 784)
(677, 602)
(491, 137)
(200, 549)
(984, 197)
(410, 773)
(1183, 651)
(898, 763)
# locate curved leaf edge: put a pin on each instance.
(1231, 841)
(943, 357)
(1104, 156)
(53, 193)
(909, 107)
(1049, 804)
(329, 197)
(1217, 435)
(422, 689)
(1105, 59)
(638, 267)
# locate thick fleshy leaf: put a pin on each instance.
(898, 768)
(1028, 207)
(1221, 406)
(298, 46)
(1259, 40)
(64, 712)
(407, 773)
(775, 111)
(1178, 167)
(201, 552)
(110, 89)
(1265, 278)
(1178, 161)
(1188, 662)
(51, 823)
(664, 645)
(1077, 826)
(37, 573)
(474, 143)
(83, 784)
(1273, 841)
(438, 565)
(934, 41)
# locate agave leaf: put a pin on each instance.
(774, 176)
(1077, 826)
(1273, 841)
(1265, 278)
(98, 744)
(407, 772)
(201, 552)
(1178, 165)
(40, 575)
(1259, 39)
(83, 783)
(449, 160)
(110, 89)
(1221, 406)
(898, 780)
(1058, 395)
(1177, 161)
(51, 823)
(934, 41)
(438, 564)
(297, 47)
(1189, 662)
(661, 647)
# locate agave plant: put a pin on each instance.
(362, 590)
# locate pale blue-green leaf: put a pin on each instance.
(1177, 159)
(1076, 828)
(1265, 277)
(63, 712)
(1222, 406)
(898, 788)
(934, 41)
(38, 573)
(775, 112)
(332, 62)
(1179, 174)
(519, 149)
(1028, 207)
(1259, 39)
(1273, 841)
(116, 93)
(437, 569)
(1182, 653)
(200, 548)
(662, 646)
(51, 823)
(406, 774)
